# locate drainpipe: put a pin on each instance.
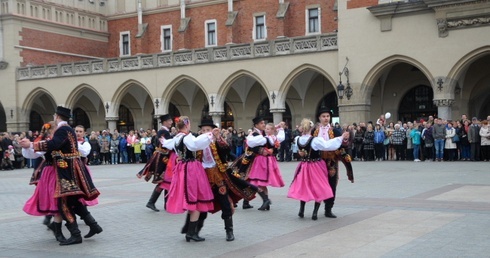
(230, 6)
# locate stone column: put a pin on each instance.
(444, 109)
(216, 118)
(112, 123)
(277, 114)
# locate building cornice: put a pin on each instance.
(165, 9)
(70, 29)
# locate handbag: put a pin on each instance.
(455, 138)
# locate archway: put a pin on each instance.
(126, 121)
(35, 121)
(80, 118)
(417, 104)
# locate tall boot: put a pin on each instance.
(47, 220)
(76, 236)
(200, 221)
(301, 212)
(246, 205)
(58, 233)
(185, 228)
(153, 200)
(266, 205)
(315, 211)
(229, 229)
(94, 226)
(192, 233)
(165, 199)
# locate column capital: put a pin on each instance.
(216, 113)
(112, 118)
(277, 110)
(443, 102)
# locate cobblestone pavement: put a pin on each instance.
(394, 209)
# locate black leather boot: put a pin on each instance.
(315, 211)
(266, 205)
(192, 233)
(185, 228)
(94, 226)
(246, 205)
(229, 229)
(329, 214)
(200, 221)
(58, 233)
(301, 212)
(153, 200)
(76, 236)
(47, 220)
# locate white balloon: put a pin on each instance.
(387, 115)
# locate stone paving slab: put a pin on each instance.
(394, 209)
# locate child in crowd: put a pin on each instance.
(137, 150)
(8, 158)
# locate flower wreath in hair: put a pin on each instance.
(184, 120)
(44, 132)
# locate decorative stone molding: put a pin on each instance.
(184, 23)
(443, 102)
(112, 118)
(468, 22)
(442, 27)
(3, 65)
(277, 110)
(283, 9)
(231, 18)
(216, 113)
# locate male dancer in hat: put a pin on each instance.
(157, 165)
(325, 130)
(227, 189)
(73, 181)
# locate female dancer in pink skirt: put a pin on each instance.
(310, 181)
(42, 201)
(264, 170)
(190, 189)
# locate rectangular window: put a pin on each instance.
(166, 38)
(124, 44)
(313, 21)
(211, 33)
(260, 30)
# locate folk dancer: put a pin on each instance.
(332, 158)
(190, 189)
(156, 167)
(310, 181)
(227, 188)
(42, 201)
(72, 178)
(262, 168)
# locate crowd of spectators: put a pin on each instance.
(432, 140)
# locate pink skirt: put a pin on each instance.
(42, 201)
(169, 171)
(190, 189)
(265, 172)
(310, 182)
(92, 202)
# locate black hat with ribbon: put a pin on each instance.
(207, 122)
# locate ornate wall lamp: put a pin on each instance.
(107, 107)
(11, 113)
(440, 82)
(341, 89)
(157, 103)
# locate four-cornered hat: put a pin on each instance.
(257, 120)
(325, 110)
(207, 122)
(165, 118)
(62, 111)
